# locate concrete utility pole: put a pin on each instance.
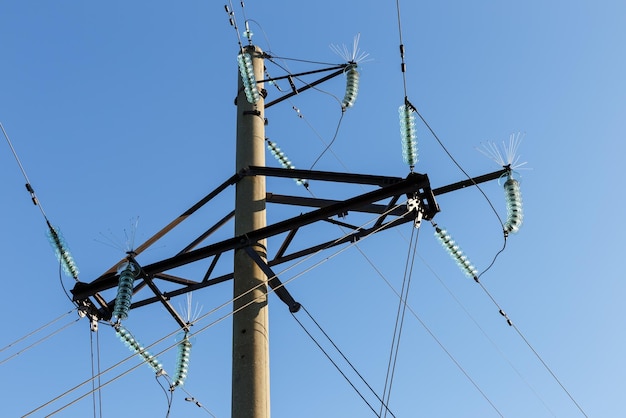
(250, 380)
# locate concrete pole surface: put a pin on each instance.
(250, 379)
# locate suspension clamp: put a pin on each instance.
(87, 310)
(413, 204)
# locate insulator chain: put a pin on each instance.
(246, 69)
(62, 252)
(455, 252)
(127, 338)
(182, 360)
(128, 271)
(515, 214)
(408, 135)
(352, 87)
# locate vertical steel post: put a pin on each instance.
(250, 379)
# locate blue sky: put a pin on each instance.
(121, 111)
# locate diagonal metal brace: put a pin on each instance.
(165, 301)
(274, 282)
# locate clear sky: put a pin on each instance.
(124, 110)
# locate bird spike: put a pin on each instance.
(354, 56)
(189, 311)
(505, 155)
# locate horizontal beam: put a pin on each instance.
(322, 175)
(470, 182)
(320, 203)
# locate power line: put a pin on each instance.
(330, 144)
(56, 239)
(169, 397)
(402, 64)
(519, 332)
(97, 400)
(192, 399)
(432, 334)
(36, 330)
(39, 341)
(469, 315)
(397, 331)
(454, 360)
(337, 366)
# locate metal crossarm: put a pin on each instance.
(391, 190)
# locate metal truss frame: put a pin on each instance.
(415, 187)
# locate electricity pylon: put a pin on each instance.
(253, 274)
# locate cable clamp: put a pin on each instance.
(508, 321)
(414, 205)
(86, 309)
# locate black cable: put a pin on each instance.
(58, 243)
(330, 143)
(63, 285)
(458, 165)
(402, 304)
(93, 374)
(455, 361)
(334, 363)
(519, 332)
(504, 233)
(402, 65)
(99, 372)
(233, 23)
(169, 396)
(301, 116)
(495, 257)
(400, 313)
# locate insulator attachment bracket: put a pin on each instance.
(88, 310)
(413, 204)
